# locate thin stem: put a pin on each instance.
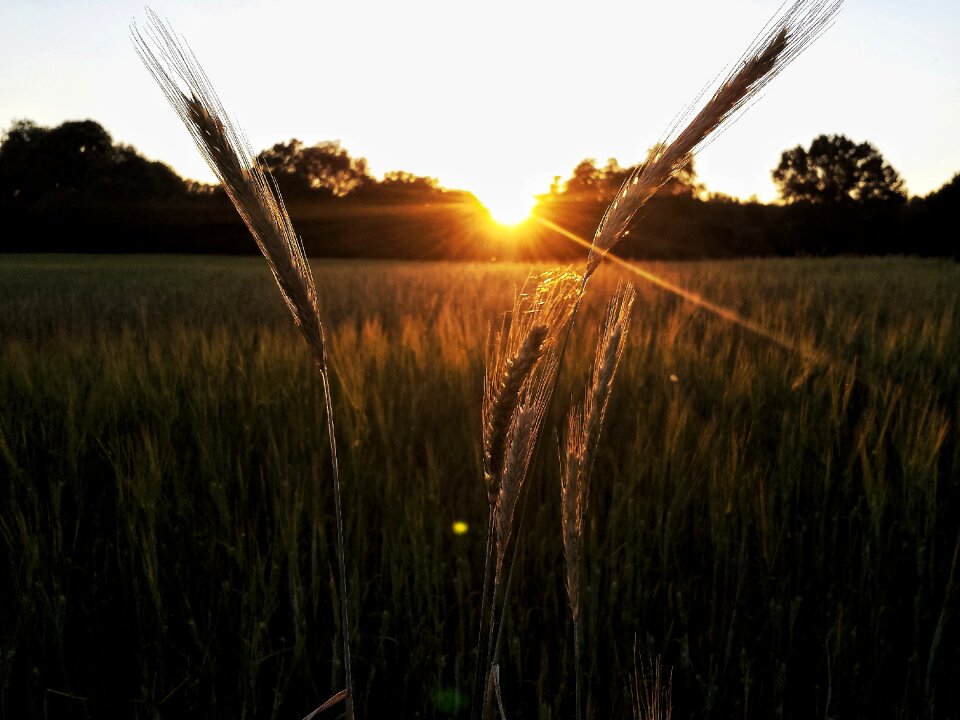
(331, 434)
(578, 670)
(481, 649)
(490, 658)
(494, 657)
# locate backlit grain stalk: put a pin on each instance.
(255, 195)
(517, 363)
(584, 424)
(507, 396)
(522, 363)
(783, 39)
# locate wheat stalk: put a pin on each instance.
(514, 365)
(503, 405)
(250, 187)
(522, 363)
(583, 431)
(786, 36)
(255, 195)
(524, 430)
(584, 423)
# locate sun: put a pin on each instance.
(508, 209)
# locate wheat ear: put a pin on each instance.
(504, 404)
(249, 186)
(521, 367)
(583, 431)
(522, 441)
(787, 35)
(576, 460)
(255, 195)
(540, 311)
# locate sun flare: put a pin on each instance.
(508, 209)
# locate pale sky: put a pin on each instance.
(498, 96)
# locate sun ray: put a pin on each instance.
(813, 356)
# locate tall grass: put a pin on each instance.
(783, 535)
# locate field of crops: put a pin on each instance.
(777, 514)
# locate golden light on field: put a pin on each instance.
(508, 209)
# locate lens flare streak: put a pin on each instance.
(812, 356)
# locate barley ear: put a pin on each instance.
(256, 198)
(250, 187)
(521, 370)
(787, 35)
(583, 427)
(515, 363)
(584, 423)
(507, 396)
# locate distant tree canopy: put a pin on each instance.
(325, 166)
(404, 179)
(590, 182)
(399, 186)
(76, 159)
(837, 170)
(947, 197)
(72, 188)
(326, 170)
(929, 221)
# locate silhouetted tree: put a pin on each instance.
(129, 175)
(612, 176)
(404, 179)
(76, 158)
(37, 161)
(402, 186)
(283, 161)
(589, 182)
(837, 170)
(930, 221)
(325, 166)
(943, 206)
(586, 181)
(17, 149)
(947, 197)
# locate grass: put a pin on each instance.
(784, 534)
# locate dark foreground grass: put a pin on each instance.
(781, 525)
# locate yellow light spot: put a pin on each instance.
(460, 527)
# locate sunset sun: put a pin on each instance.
(508, 209)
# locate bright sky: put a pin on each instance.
(497, 96)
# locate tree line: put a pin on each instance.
(72, 188)
(78, 160)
